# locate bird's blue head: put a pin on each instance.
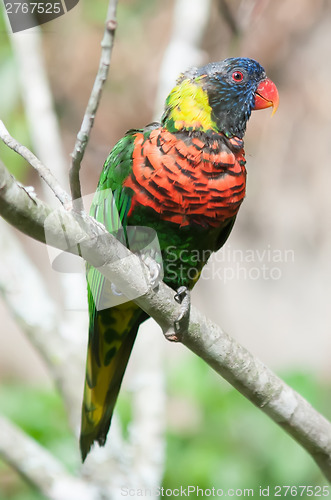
(235, 87)
(220, 96)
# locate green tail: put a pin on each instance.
(112, 335)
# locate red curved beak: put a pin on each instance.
(266, 95)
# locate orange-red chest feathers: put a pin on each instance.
(188, 179)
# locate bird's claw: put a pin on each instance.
(182, 292)
(154, 268)
(115, 290)
(183, 298)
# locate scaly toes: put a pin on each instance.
(183, 297)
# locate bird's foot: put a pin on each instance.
(154, 268)
(115, 290)
(183, 297)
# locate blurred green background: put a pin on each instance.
(214, 437)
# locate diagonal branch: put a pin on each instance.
(92, 106)
(239, 367)
(40, 468)
(44, 172)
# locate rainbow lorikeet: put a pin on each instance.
(184, 177)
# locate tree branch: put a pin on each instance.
(42, 170)
(92, 106)
(25, 212)
(40, 468)
(249, 375)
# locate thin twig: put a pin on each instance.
(42, 170)
(245, 372)
(92, 106)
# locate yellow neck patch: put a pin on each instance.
(187, 107)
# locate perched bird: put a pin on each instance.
(184, 177)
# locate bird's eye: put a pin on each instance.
(237, 76)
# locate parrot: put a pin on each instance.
(185, 178)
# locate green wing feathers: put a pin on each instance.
(112, 331)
